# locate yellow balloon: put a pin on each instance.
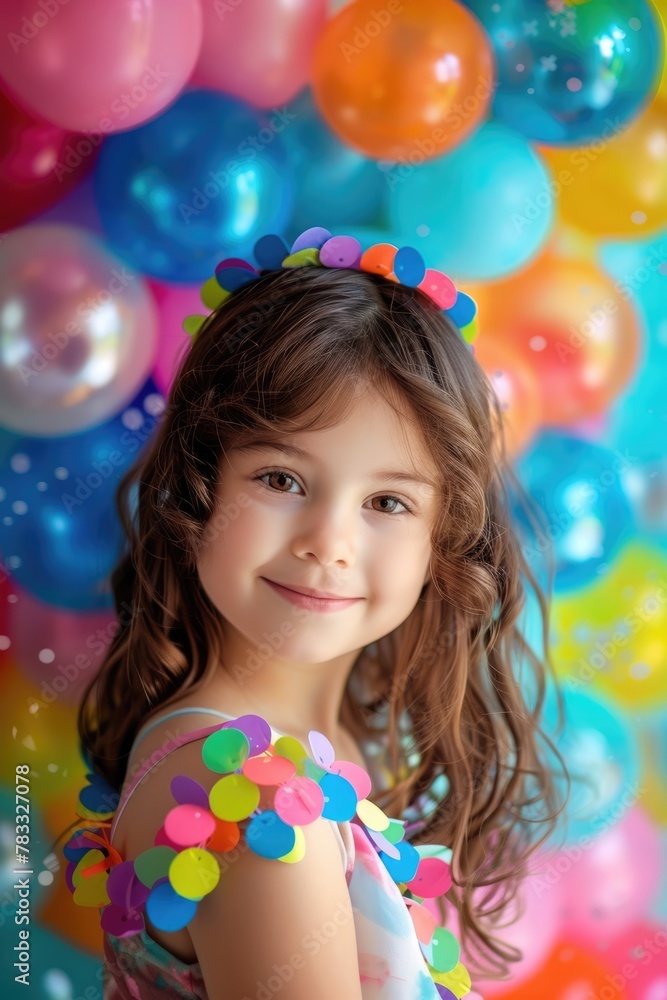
(617, 185)
(612, 635)
(651, 733)
(194, 873)
(662, 89)
(41, 733)
(458, 980)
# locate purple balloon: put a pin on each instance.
(255, 728)
(187, 791)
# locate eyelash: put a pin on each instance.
(390, 496)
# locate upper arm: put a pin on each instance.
(286, 926)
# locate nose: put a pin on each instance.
(329, 535)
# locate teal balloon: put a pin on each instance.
(203, 181)
(568, 74)
(602, 757)
(637, 419)
(58, 969)
(334, 185)
(470, 213)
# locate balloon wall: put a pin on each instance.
(521, 146)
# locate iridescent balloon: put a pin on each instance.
(77, 331)
(568, 73)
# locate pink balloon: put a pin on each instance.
(610, 881)
(174, 303)
(539, 901)
(259, 50)
(99, 66)
(59, 651)
(637, 961)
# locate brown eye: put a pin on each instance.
(280, 474)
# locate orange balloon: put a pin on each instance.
(617, 185)
(517, 390)
(570, 973)
(403, 81)
(572, 325)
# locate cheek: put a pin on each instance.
(232, 542)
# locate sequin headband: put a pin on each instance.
(316, 246)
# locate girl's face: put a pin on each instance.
(333, 519)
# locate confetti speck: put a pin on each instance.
(20, 507)
(423, 230)
(61, 472)
(537, 343)
(634, 23)
(574, 84)
(46, 656)
(19, 462)
(639, 218)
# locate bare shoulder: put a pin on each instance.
(268, 921)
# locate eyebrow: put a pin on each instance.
(289, 449)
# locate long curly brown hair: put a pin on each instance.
(306, 341)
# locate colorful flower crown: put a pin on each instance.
(267, 791)
(316, 246)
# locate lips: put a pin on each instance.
(323, 595)
(319, 604)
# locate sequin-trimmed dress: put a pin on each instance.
(403, 954)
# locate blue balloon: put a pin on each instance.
(60, 536)
(335, 185)
(602, 759)
(568, 74)
(587, 515)
(203, 181)
(468, 212)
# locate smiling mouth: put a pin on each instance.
(320, 595)
(309, 601)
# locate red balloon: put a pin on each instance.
(39, 163)
(570, 973)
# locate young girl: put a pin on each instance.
(314, 693)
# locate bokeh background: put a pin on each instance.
(521, 146)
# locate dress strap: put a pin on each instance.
(173, 743)
(177, 711)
